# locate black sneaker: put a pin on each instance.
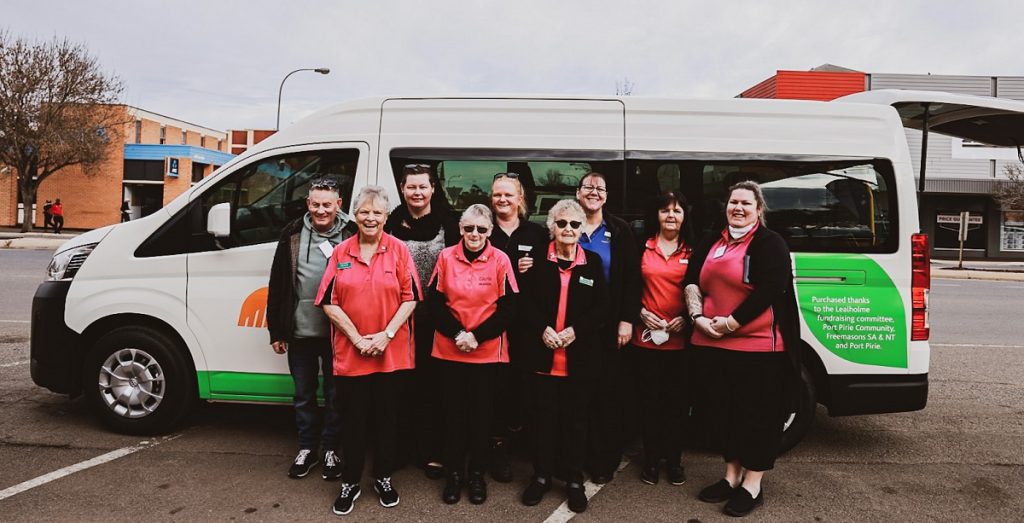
(716, 493)
(501, 468)
(386, 492)
(452, 488)
(535, 491)
(346, 499)
(332, 466)
(742, 503)
(305, 460)
(577, 497)
(649, 474)
(477, 488)
(676, 475)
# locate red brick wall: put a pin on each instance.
(258, 135)
(192, 138)
(150, 132)
(173, 187)
(8, 196)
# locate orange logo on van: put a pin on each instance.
(254, 310)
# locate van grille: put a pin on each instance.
(75, 264)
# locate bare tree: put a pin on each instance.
(624, 88)
(1010, 193)
(56, 111)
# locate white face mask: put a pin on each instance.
(738, 232)
(657, 337)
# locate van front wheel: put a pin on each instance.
(797, 423)
(138, 381)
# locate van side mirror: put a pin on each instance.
(218, 220)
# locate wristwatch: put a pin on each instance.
(389, 334)
(693, 317)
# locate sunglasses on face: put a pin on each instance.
(324, 183)
(416, 168)
(479, 228)
(506, 175)
(562, 223)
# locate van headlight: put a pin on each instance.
(65, 264)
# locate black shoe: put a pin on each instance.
(676, 475)
(649, 474)
(577, 497)
(742, 503)
(433, 470)
(305, 460)
(716, 493)
(332, 466)
(385, 492)
(452, 489)
(535, 491)
(477, 488)
(346, 499)
(600, 478)
(501, 468)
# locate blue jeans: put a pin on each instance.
(306, 358)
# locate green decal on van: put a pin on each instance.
(852, 308)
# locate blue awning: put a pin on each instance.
(145, 151)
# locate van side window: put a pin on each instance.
(464, 181)
(817, 206)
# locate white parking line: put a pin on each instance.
(978, 346)
(77, 467)
(563, 514)
(15, 321)
(15, 364)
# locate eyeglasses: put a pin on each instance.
(574, 224)
(593, 188)
(482, 229)
(514, 176)
(324, 183)
(416, 168)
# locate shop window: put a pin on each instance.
(1011, 231)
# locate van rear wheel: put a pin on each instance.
(797, 423)
(138, 381)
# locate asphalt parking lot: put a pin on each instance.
(961, 458)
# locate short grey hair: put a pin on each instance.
(372, 193)
(477, 210)
(563, 207)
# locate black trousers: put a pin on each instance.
(612, 416)
(559, 428)
(422, 421)
(362, 400)
(468, 404)
(744, 403)
(58, 224)
(663, 394)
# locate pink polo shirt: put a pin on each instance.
(721, 282)
(663, 291)
(370, 294)
(473, 289)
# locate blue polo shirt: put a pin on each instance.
(600, 243)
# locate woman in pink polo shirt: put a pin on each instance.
(369, 291)
(472, 299)
(658, 339)
(739, 291)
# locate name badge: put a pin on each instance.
(719, 252)
(684, 261)
(326, 248)
(607, 234)
(346, 265)
(586, 281)
(525, 248)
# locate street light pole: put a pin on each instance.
(321, 70)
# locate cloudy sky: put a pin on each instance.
(218, 63)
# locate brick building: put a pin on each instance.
(960, 174)
(152, 160)
(243, 139)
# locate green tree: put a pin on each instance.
(56, 110)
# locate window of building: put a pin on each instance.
(138, 131)
(184, 137)
(202, 140)
(1011, 231)
(144, 170)
(163, 135)
(197, 171)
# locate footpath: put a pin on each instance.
(941, 269)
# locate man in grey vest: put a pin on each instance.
(301, 330)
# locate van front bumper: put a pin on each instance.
(54, 346)
(853, 394)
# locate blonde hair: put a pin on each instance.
(477, 210)
(504, 177)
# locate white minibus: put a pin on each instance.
(145, 317)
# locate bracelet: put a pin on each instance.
(731, 330)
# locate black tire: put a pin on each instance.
(803, 413)
(138, 381)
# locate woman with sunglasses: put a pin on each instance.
(563, 305)
(658, 341)
(522, 241)
(472, 299)
(425, 223)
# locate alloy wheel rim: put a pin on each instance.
(131, 383)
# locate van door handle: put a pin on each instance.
(830, 277)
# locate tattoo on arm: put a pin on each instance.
(694, 299)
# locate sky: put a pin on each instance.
(219, 63)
